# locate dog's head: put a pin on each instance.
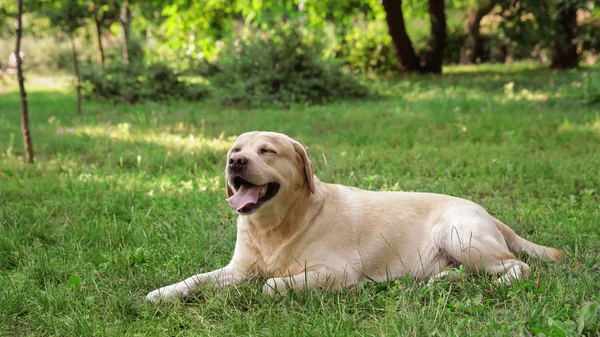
(266, 170)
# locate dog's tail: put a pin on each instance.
(518, 244)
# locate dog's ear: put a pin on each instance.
(309, 170)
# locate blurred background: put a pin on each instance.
(125, 46)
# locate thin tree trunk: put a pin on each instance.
(407, 58)
(437, 45)
(125, 19)
(564, 51)
(100, 47)
(77, 75)
(469, 52)
(24, 110)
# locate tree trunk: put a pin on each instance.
(100, 47)
(564, 51)
(407, 58)
(125, 19)
(437, 44)
(24, 110)
(77, 75)
(469, 52)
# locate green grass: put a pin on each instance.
(129, 198)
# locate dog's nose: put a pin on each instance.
(238, 161)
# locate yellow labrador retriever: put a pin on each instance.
(302, 233)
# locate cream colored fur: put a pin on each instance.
(317, 235)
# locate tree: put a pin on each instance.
(24, 109)
(125, 19)
(564, 50)
(437, 44)
(554, 25)
(77, 73)
(469, 51)
(68, 16)
(405, 53)
(103, 12)
(408, 60)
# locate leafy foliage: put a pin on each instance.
(193, 34)
(530, 25)
(104, 11)
(65, 15)
(588, 31)
(368, 47)
(156, 81)
(280, 68)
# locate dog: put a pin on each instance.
(304, 234)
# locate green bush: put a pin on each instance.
(368, 47)
(454, 38)
(279, 68)
(586, 89)
(156, 81)
(588, 35)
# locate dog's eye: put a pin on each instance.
(237, 149)
(265, 150)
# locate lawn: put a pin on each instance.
(131, 197)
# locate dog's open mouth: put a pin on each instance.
(249, 197)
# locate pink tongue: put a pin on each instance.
(245, 196)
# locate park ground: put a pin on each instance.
(127, 198)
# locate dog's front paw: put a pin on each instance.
(274, 286)
(166, 294)
(154, 296)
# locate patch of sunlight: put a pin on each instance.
(388, 186)
(523, 95)
(514, 67)
(33, 82)
(63, 169)
(165, 185)
(423, 95)
(589, 127)
(445, 94)
(127, 132)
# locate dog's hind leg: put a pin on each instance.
(446, 275)
(476, 243)
(510, 270)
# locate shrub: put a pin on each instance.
(587, 88)
(156, 81)
(368, 47)
(280, 68)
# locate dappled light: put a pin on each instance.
(588, 127)
(66, 170)
(116, 118)
(126, 132)
(524, 94)
(39, 83)
(157, 186)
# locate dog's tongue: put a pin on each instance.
(245, 196)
